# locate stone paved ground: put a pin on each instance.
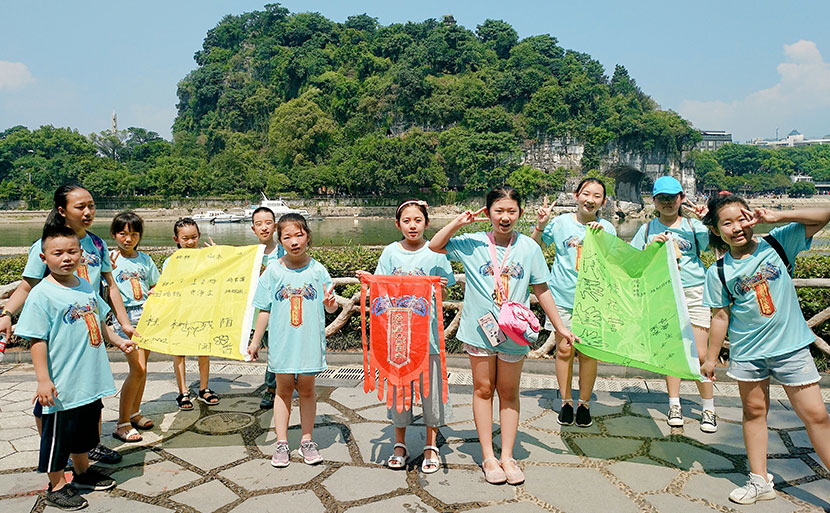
(216, 459)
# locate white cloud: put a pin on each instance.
(14, 75)
(800, 100)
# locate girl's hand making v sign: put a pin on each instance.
(543, 213)
(469, 217)
(329, 301)
(759, 215)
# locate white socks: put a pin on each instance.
(709, 404)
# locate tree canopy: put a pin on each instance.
(297, 102)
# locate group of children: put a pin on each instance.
(748, 294)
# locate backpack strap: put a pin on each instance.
(722, 276)
(98, 243)
(772, 241)
(645, 238)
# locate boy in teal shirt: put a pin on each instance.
(63, 318)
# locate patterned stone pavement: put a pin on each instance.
(216, 459)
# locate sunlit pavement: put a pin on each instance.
(217, 458)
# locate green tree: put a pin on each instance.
(301, 132)
(802, 190)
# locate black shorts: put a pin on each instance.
(66, 432)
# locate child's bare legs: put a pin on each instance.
(400, 438)
(143, 355)
(80, 462)
(508, 375)
(565, 372)
(179, 369)
(564, 368)
(432, 439)
(755, 403)
(204, 371)
(705, 389)
(282, 405)
(308, 404)
(132, 388)
(484, 384)
(587, 377)
(809, 406)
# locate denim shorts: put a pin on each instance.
(792, 369)
(134, 314)
(564, 313)
(481, 351)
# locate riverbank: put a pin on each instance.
(334, 209)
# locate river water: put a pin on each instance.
(331, 231)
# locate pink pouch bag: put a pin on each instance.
(516, 320)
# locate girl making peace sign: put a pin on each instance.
(497, 364)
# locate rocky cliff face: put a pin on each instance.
(627, 166)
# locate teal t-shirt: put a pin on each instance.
(273, 256)
(765, 320)
(134, 277)
(267, 259)
(525, 266)
(297, 325)
(92, 265)
(566, 234)
(397, 261)
(69, 320)
(692, 270)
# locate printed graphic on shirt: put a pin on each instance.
(760, 283)
(399, 312)
(135, 278)
(89, 314)
(88, 260)
(682, 244)
(575, 242)
(510, 271)
(398, 271)
(295, 296)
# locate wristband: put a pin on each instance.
(537, 229)
(5, 312)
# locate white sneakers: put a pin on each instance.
(756, 489)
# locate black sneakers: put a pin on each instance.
(583, 416)
(66, 498)
(566, 414)
(92, 480)
(104, 454)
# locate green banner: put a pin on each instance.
(630, 308)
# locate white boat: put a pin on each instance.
(208, 216)
(278, 206)
(218, 216)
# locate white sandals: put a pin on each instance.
(430, 465)
(398, 462)
(130, 437)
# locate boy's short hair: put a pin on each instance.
(263, 209)
(54, 232)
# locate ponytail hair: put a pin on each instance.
(55, 219)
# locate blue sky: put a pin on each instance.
(747, 67)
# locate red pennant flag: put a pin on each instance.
(398, 351)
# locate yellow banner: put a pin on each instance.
(201, 305)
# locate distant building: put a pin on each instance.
(793, 139)
(713, 139)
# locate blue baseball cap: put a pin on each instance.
(666, 185)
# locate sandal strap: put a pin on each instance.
(123, 424)
(430, 448)
(402, 446)
(136, 414)
(491, 458)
